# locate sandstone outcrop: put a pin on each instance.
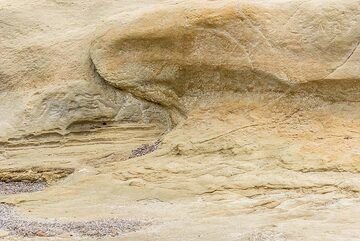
(172, 54)
(248, 113)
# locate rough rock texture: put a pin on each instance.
(253, 107)
(236, 46)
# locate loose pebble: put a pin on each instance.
(145, 149)
(12, 224)
(7, 188)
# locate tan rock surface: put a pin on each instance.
(231, 46)
(256, 104)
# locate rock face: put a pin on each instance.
(253, 107)
(170, 53)
(47, 79)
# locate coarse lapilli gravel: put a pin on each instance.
(7, 188)
(145, 149)
(26, 227)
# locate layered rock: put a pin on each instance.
(253, 107)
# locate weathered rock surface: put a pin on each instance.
(170, 53)
(255, 104)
